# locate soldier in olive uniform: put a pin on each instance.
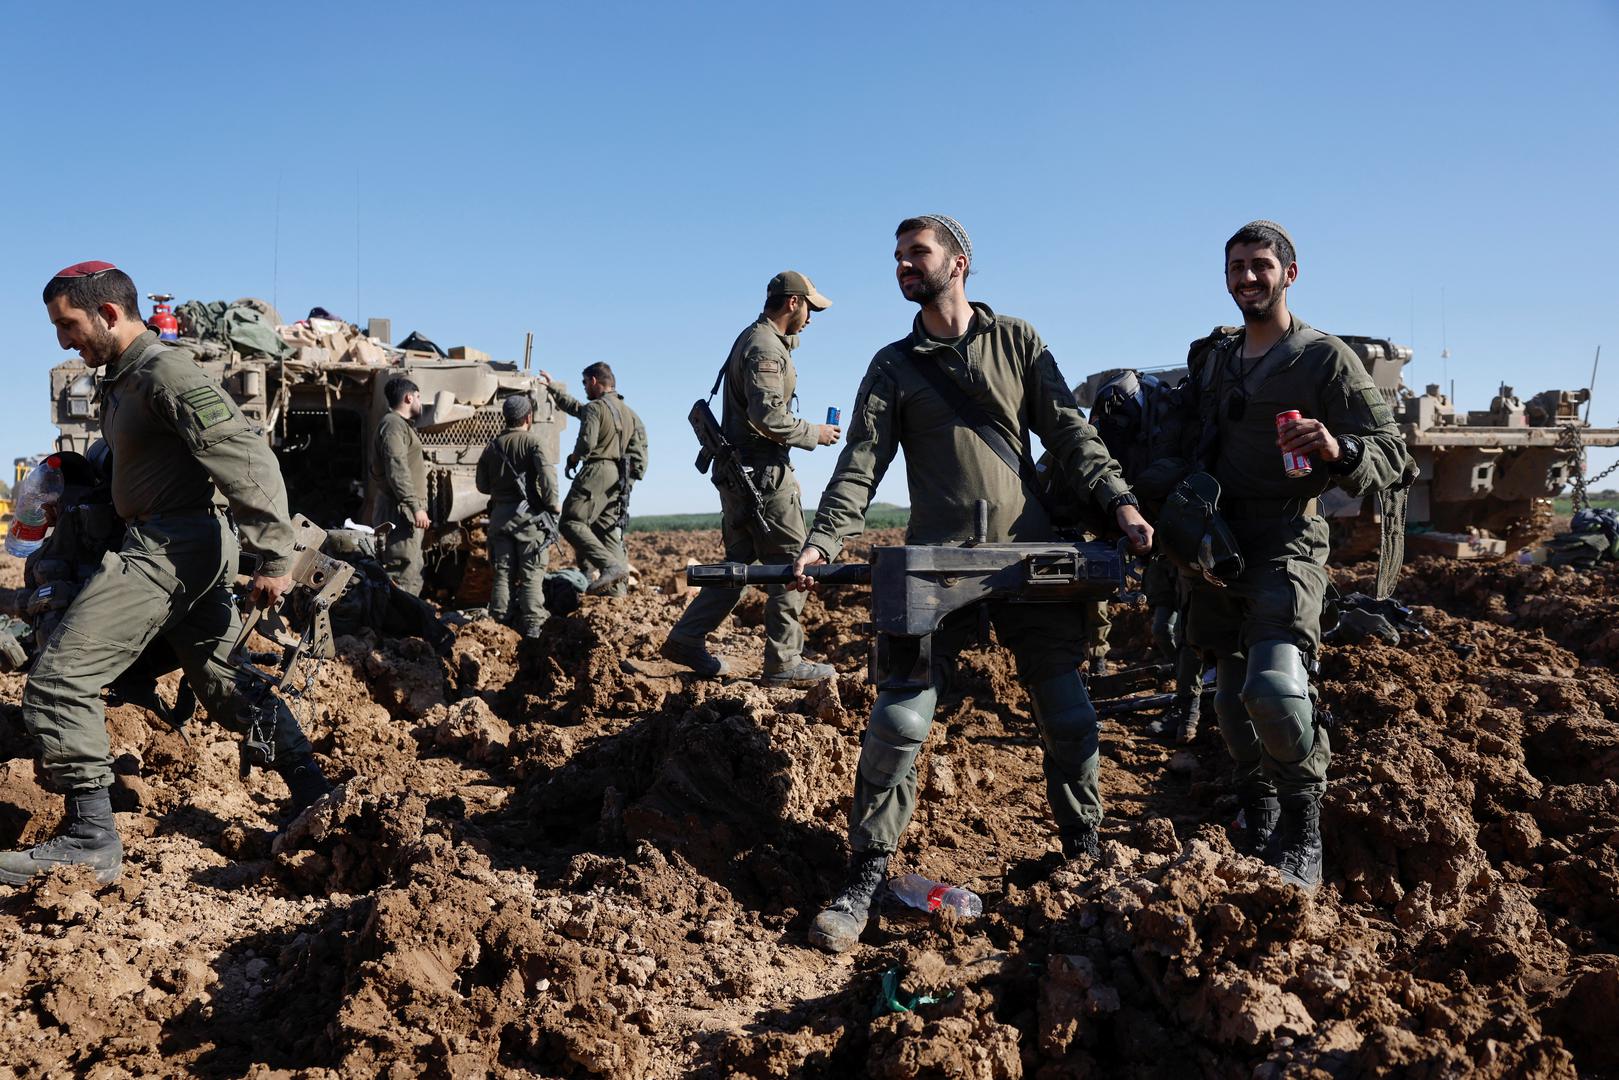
(181, 451)
(609, 456)
(958, 349)
(513, 471)
(399, 480)
(1264, 627)
(759, 384)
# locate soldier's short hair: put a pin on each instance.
(952, 247)
(397, 389)
(601, 373)
(89, 291)
(775, 305)
(1264, 232)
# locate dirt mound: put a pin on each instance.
(556, 857)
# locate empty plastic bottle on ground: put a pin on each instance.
(38, 490)
(925, 894)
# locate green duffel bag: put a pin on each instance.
(1194, 536)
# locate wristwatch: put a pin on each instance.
(1350, 450)
(1127, 499)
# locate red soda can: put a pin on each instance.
(1294, 464)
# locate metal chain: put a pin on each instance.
(1569, 439)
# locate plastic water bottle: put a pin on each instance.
(38, 490)
(925, 894)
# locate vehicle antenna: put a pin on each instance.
(275, 258)
(1590, 390)
(1444, 346)
(528, 350)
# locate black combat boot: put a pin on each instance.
(1257, 834)
(89, 837)
(1296, 850)
(305, 782)
(838, 928)
(1081, 840)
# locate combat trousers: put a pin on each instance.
(1098, 625)
(400, 553)
(171, 577)
(744, 542)
(517, 593)
(590, 517)
(1046, 640)
(1279, 597)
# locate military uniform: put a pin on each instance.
(1006, 369)
(399, 478)
(178, 445)
(609, 431)
(1264, 627)
(759, 386)
(513, 469)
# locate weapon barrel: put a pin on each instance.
(735, 575)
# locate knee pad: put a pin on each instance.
(1241, 740)
(1277, 693)
(1067, 722)
(899, 725)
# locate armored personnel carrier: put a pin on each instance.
(1485, 477)
(316, 390)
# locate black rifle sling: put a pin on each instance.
(982, 425)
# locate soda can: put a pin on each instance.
(1294, 464)
(833, 415)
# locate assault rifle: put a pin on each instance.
(913, 588)
(322, 579)
(718, 453)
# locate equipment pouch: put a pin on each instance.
(1193, 534)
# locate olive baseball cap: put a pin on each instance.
(792, 283)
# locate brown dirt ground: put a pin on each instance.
(544, 860)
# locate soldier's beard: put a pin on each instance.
(930, 287)
(102, 348)
(1254, 310)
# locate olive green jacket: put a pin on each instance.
(179, 443)
(513, 468)
(1011, 375)
(1318, 375)
(760, 383)
(399, 467)
(608, 430)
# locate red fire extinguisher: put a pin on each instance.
(163, 320)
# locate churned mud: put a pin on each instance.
(562, 857)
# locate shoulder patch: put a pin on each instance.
(768, 365)
(206, 405)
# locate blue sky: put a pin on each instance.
(622, 179)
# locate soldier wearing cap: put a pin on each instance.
(1264, 626)
(608, 457)
(759, 383)
(181, 451)
(962, 358)
(520, 482)
(399, 485)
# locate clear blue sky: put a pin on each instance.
(622, 179)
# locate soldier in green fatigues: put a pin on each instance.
(399, 480)
(759, 384)
(1264, 627)
(960, 349)
(513, 472)
(181, 451)
(609, 456)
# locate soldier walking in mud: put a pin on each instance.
(609, 456)
(1264, 626)
(759, 384)
(399, 479)
(521, 486)
(963, 372)
(178, 443)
